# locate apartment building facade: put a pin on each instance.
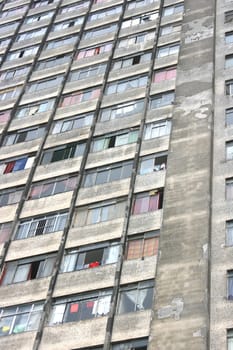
(116, 175)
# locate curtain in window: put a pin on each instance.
(101, 306)
(57, 314)
(141, 205)
(160, 76)
(69, 262)
(9, 167)
(170, 74)
(154, 202)
(112, 254)
(150, 246)
(4, 234)
(35, 192)
(134, 249)
(20, 164)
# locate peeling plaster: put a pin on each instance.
(174, 310)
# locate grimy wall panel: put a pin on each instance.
(181, 308)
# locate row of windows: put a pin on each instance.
(132, 298)
(81, 96)
(162, 51)
(100, 212)
(73, 150)
(117, 111)
(80, 258)
(147, 165)
(71, 39)
(167, 11)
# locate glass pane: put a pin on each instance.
(128, 300)
(102, 177)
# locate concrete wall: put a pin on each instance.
(180, 320)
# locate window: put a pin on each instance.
(172, 49)
(90, 256)
(30, 35)
(99, 212)
(164, 74)
(8, 27)
(87, 72)
(131, 61)
(45, 84)
(229, 87)
(10, 93)
(141, 246)
(230, 339)
(108, 174)
(40, 3)
(81, 307)
(41, 225)
(140, 344)
(229, 233)
(121, 110)
(103, 13)
(170, 28)
(157, 129)
(228, 16)
(68, 124)
(67, 151)
(161, 100)
(229, 61)
(151, 163)
(136, 39)
(174, 9)
(93, 33)
(4, 42)
(229, 150)
(29, 51)
(71, 8)
(147, 201)
(60, 42)
(4, 116)
(229, 116)
(141, 19)
(67, 24)
(16, 165)
(34, 109)
(10, 196)
(27, 269)
(53, 62)
(79, 96)
(12, 12)
(14, 73)
(23, 135)
(93, 51)
(5, 231)
(39, 17)
(139, 3)
(18, 319)
(136, 297)
(52, 187)
(229, 189)
(229, 38)
(126, 84)
(114, 140)
(230, 285)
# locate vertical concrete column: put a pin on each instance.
(181, 314)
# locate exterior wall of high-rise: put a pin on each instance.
(111, 233)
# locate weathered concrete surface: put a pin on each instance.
(221, 309)
(180, 319)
